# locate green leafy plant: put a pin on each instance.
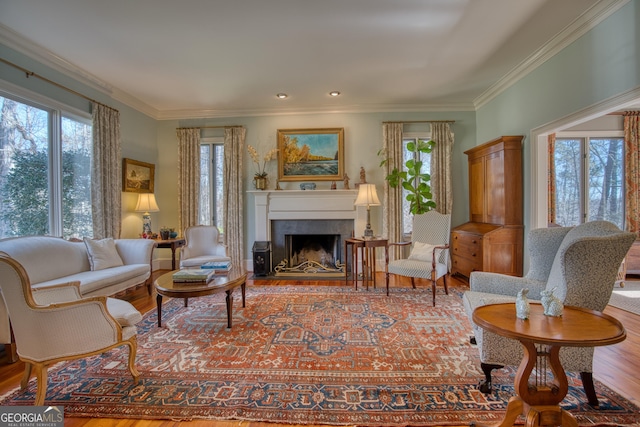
(412, 179)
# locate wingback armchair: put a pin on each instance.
(202, 246)
(580, 262)
(54, 323)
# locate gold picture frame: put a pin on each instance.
(311, 154)
(137, 177)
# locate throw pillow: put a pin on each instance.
(422, 252)
(102, 253)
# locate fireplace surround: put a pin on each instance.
(279, 213)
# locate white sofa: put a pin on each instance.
(52, 260)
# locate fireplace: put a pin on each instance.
(309, 247)
(282, 215)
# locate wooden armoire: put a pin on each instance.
(492, 240)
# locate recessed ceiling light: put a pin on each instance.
(282, 95)
(334, 93)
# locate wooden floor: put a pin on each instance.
(616, 366)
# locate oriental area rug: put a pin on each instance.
(305, 355)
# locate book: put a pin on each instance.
(217, 265)
(193, 275)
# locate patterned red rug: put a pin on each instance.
(301, 355)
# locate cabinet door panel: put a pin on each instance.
(495, 181)
(476, 189)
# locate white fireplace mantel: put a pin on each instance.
(304, 204)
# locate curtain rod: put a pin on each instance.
(211, 127)
(422, 121)
(28, 74)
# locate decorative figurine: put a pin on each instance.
(551, 303)
(278, 185)
(346, 181)
(522, 304)
(363, 176)
(333, 185)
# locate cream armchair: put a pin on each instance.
(54, 323)
(581, 262)
(202, 246)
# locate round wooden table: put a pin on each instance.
(165, 286)
(542, 337)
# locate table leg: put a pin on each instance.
(386, 266)
(229, 307)
(243, 288)
(173, 257)
(539, 403)
(159, 304)
(355, 262)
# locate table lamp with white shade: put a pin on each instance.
(146, 203)
(368, 197)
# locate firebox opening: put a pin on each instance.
(319, 248)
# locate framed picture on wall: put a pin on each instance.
(311, 154)
(137, 177)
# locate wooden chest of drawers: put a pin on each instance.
(477, 246)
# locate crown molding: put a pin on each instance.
(36, 52)
(587, 21)
(374, 108)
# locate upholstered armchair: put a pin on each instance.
(202, 246)
(429, 257)
(54, 323)
(580, 262)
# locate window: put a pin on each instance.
(589, 178)
(45, 170)
(212, 182)
(425, 158)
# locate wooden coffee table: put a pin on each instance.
(165, 286)
(542, 337)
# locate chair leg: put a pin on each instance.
(485, 386)
(133, 349)
(26, 375)
(41, 378)
(446, 287)
(589, 389)
(433, 291)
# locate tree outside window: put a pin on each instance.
(45, 171)
(589, 180)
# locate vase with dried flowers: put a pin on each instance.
(260, 177)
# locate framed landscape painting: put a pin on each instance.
(310, 154)
(137, 177)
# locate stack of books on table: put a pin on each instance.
(193, 275)
(217, 266)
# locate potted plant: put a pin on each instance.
(260, 177)
(412, 179)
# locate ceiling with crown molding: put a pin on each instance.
(221, 58)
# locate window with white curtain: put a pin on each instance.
(45, 169)
(212, 182)
(589, 178)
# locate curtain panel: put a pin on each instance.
(632, 171)
(392, 198)
(234, 139)
(551, 179)
(106, 172)
(188, 177)
(441, 187)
